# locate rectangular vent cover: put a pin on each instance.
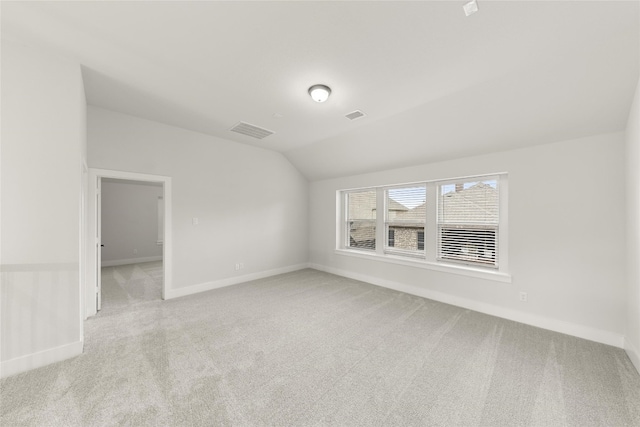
(251, 130)
(355, 115)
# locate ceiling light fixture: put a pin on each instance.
(319, 93)
(470, 8)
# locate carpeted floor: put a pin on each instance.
(311, 348)
(127, 285)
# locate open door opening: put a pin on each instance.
(101, 183)
(131, 237)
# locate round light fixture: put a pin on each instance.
(319, 93)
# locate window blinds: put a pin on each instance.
(468, 218)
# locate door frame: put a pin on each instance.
(93, 264)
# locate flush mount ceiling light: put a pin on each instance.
(319, 93)
(470, 8)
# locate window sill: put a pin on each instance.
(429, 265)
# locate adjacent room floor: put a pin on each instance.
(127, 285)
(311, 348)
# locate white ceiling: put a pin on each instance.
(434, 84)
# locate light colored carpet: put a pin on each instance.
(310, 348)
(126, 285)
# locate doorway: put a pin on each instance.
(131, 243)
(95, 244)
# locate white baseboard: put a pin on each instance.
(39, 359)
(116, 262)
(573, 329)
(633, 354)
(207, 286)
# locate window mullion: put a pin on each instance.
(380, 221)
(431, 229)
(342, 231)
(503, 226)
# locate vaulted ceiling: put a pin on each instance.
(433, 83)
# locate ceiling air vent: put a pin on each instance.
(355, 115)
(251, 130)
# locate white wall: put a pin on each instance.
(566, 237)
(130, 222)
(632, 338)
(43, 134)
(251, 203)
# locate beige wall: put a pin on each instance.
(251, 203)
(566, 237)
(43, 138)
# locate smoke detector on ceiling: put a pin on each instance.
(251, 130)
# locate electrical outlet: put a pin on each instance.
(523, 296)
(135, 251)
(195, 221)
(237, 266)
(241, 265)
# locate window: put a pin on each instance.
(405, 216)
(361, 219)
(468, 220)
(456, 225)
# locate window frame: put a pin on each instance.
(347, 222)
(388, 223)
(466, 225)
(429, 260)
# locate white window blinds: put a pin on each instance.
(468, 220)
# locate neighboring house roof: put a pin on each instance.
(396, 206)
(476, 204)
(415, 215)
(363, 233)
(362, 205)
(396, 209)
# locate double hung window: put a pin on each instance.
(405, 217)
(454, 223)
(468, 221)
(361, 219)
